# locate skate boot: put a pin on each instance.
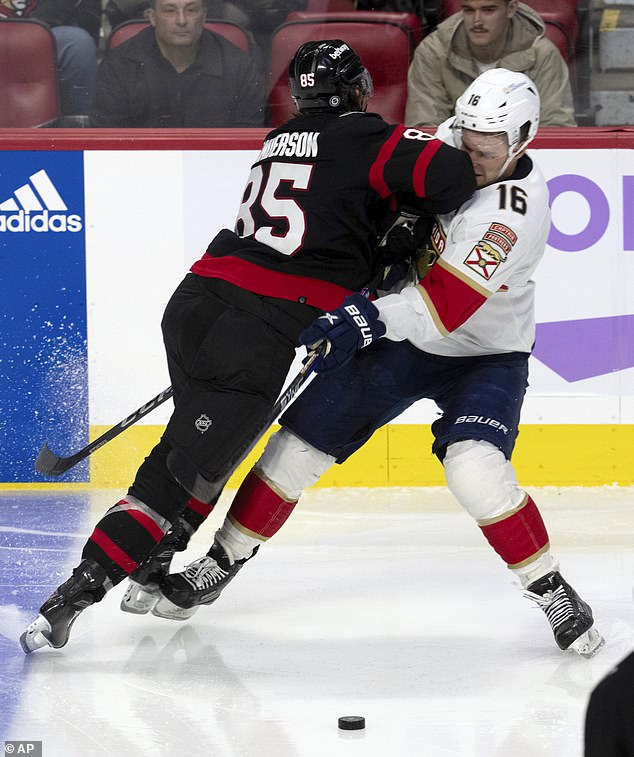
(569, 616)
(87, 585)
(142, 591)
(199, 584)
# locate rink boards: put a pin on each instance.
(95, 233)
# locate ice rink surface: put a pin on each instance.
(386, 603)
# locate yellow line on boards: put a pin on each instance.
(400, 455)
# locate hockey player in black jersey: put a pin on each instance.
(304, 239)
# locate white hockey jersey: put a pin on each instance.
(478, 298)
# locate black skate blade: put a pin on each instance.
(51, 464)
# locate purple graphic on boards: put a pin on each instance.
(599, 212)
(585, 348)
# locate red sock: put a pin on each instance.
(196, 512)
(124, 537)
(518, 536)
(258, 509)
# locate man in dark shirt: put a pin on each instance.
(177, 74)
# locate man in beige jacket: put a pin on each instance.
(486, 34)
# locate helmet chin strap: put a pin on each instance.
(512, 154)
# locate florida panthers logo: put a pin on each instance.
(484, 259)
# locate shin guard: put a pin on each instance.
(519, 536)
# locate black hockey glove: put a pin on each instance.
(402, 247)
(408, 232)
(349, 328)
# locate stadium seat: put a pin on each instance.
(28, 74)
(409, 21)
(383, 47)
(329, 6)
(560, 37)
(227, 29)
(563, 13)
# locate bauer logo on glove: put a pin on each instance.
(351, 327)
(364, 327)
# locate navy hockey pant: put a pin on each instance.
(479, 398)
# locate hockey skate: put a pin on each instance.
(201, 583)
(569, 616)
(52, 626)
(143, 588)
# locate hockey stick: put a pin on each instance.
(51, 464)
(186, 473)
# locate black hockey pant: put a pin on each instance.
(228, 354)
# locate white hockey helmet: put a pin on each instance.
(500, 101)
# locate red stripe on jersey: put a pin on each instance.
(520, 536)
(454, 300)
(113, 551)
(377, 169)
(422, 164)
(199, 507)
(285, 286)
(151, 526)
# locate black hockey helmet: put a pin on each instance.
(322, 76)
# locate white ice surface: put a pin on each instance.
(386, 603)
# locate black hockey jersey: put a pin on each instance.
(306, 228)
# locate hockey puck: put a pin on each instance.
(351, 723)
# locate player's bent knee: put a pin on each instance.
(292, 464)
(481, 478)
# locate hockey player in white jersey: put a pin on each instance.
(460, 334)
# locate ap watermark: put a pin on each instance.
(30, 748)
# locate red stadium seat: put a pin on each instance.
(28, 74)
(383, 47)
(227, 29)
(409, 21)
(562, 12)
(329, 6)
(560, 38)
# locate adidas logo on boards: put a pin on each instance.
(37, 206)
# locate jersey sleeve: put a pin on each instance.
(439, 176)
(479, 258)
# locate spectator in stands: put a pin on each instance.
(486, 34)
(75, 26)
(258, 18)
(118, 11)
(176, 73)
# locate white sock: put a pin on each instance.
(235, 543)
(544, 564)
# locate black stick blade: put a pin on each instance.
(51, 464)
